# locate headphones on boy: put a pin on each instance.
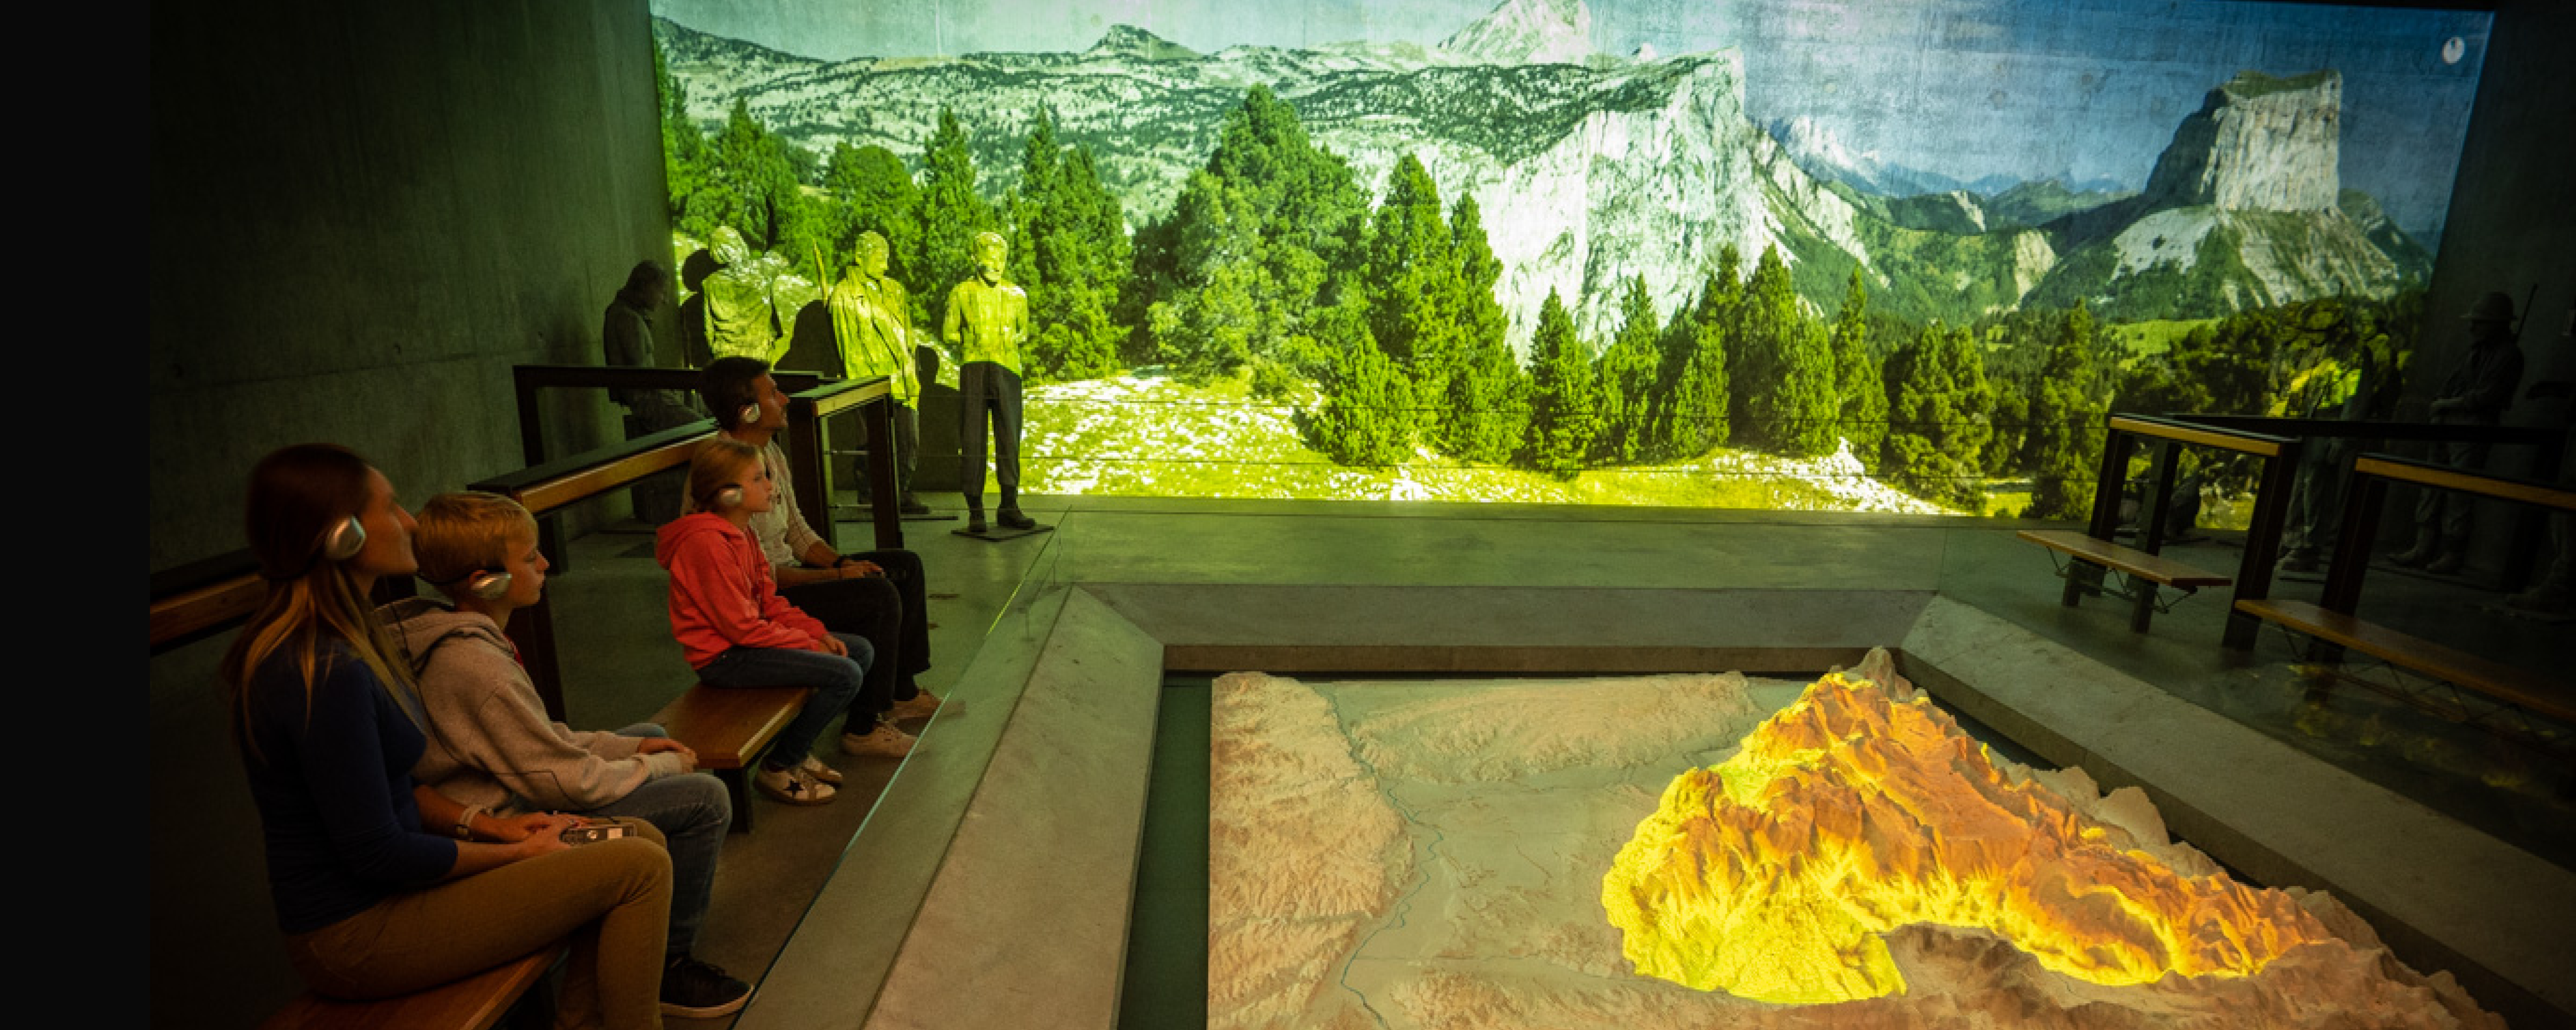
(485, 584)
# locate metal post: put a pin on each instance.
(805, 462)
(2263, 541)
(2083, 578)
(2151, 539)
(887, 512)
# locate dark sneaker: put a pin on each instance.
(974, 522)
(1012, 519)
(692, 989)
(2448, 564)
(913, 506)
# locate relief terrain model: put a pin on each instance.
(1693, 851)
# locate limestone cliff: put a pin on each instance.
(2257, 144)
(1527, 32)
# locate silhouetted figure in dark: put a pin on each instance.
(2476, 393)
(695, 351)
(626, 333)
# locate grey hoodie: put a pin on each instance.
(490, 742)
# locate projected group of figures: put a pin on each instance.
(1512, 266)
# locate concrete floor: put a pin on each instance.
(611, 618)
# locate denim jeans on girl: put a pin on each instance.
(836, 680)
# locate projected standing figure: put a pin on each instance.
(875, 335)
(988, 317)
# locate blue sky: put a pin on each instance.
(1965, 88)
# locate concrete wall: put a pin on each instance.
(2510, 228)
(362, 216)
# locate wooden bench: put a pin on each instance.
(2529, 691)
(473, 1003)
(728, 728)
(2146, 572)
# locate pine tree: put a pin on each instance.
(1937, 427)
(1285, 214)
(2066, 428)
(1783, 370)
(951, 214)
(1860, 392)
(1626, 381)
(1697, 413)
(1562, 421)
(1487, 405)
(1366, 419)
(1412, 277)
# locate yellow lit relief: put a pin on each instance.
(1778, 874)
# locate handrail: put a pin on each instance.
(526, 380)
(2409, 470)
(2242, 442)
(207, 596)
(2330, 427)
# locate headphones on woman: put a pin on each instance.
(339, 543)
(343, 540)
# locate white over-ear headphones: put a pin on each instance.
(344, 540)
(750, 415)
(730, 495)
(485, 584)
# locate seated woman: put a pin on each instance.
(735, 629)
(376, 894)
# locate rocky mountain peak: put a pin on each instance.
(2258, 143)
(1130, 41)
(1527, 32)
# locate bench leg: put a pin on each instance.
(2082, 580)
(2241, 629)
(738, 787)
(2144, 608)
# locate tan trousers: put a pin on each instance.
(613, 899)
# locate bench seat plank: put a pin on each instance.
(729, 727)
(473, 1003)
(2135, 562)
(2531, 691)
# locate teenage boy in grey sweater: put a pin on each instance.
(492, 747)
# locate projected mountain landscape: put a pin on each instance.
(1693, 851)
(1367, 217)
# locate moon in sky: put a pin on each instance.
(2452, 49)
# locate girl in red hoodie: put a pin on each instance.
(737, 631)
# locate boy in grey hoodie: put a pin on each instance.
(492, 747)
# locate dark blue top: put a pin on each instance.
(334, 791)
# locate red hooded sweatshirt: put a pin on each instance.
(722, 593)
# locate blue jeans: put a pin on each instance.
(693, 813)
(836, 681)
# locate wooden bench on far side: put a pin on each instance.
(2146, 572)
(728, 727)
(2530, 691)
(473, 1003)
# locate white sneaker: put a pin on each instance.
(815, 768)
(792, 786)
(884, 741)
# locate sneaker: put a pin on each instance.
(692, 989)
(1012, 519)
(2422, 552)
(821, 773)
(793, 786)
(2446, 564)
(913, 506)
(921, 706)
(884, 741)
(974, 522)
(2302, 564)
